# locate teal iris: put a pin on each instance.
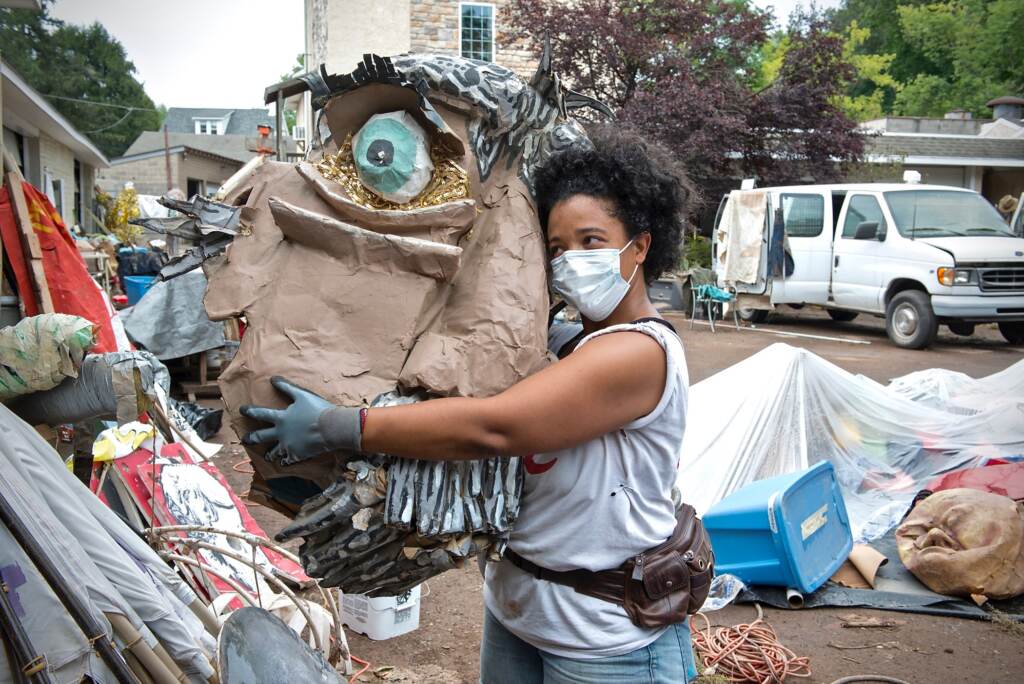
(385, 155)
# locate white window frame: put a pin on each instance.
(494, 25)
(213, 126)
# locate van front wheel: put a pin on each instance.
(910, 321)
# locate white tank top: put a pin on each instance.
(593, 506)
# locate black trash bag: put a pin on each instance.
(138, 262)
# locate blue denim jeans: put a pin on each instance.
(507, 659)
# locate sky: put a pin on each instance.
(223, 53)
(200, 53)
(783, 8)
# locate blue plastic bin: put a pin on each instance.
(136, 286)
(787, 531)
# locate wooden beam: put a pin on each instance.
(29, 242)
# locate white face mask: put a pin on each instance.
(590, 280)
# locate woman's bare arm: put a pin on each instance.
(605, 384)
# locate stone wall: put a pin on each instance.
(434, 27)
(356, 27)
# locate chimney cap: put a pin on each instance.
(1006, 100)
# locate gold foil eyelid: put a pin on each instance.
(449, 181)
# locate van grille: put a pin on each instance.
(1003, 279)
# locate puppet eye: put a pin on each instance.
(392, 156)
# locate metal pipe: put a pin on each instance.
(255, 540)
(274, 581)
(239, 589)
(85, 620)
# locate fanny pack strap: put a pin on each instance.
(607, 585)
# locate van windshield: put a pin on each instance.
(944, 213)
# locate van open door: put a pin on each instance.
(807, 217)
(740, 242)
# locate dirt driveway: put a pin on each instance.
(919, 649)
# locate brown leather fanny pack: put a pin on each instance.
(658, 587)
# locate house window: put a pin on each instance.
(209, 126)
(476, 31)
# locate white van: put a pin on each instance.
(919, 255)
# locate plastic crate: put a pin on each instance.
(382, 617)
(787, 531)
(136, 286)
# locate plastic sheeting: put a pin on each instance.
(90, 545)
(784, 409)
(40, 351)
(170, 321)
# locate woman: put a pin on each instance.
(603, 428)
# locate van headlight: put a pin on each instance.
(955, 276)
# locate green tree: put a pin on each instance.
(863, 94)
(85, 74)
(944, 55)
(867, 93)
(975, 51)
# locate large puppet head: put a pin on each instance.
(403, 260)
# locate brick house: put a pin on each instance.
(205, 147)
(340, 32)
(52, 154)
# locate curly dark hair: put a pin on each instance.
(648, 189)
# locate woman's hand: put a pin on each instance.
(308, 427)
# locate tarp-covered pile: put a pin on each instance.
(109, 567)
(784, 408)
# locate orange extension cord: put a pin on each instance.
(748, 653)
(365, 664)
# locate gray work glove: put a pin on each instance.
(308, 427)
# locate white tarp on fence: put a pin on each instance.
(784, 409)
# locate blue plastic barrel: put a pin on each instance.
(787, 531)
(136, 286)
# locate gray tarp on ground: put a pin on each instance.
(94, 548)
(170, 320)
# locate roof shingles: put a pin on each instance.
(945, 146)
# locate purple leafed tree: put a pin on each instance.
(685, 72)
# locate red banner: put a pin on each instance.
(71, 287)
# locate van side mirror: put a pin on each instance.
(866, 230)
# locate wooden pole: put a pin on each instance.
(167, 158)
(279, 120)
(29, 242)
